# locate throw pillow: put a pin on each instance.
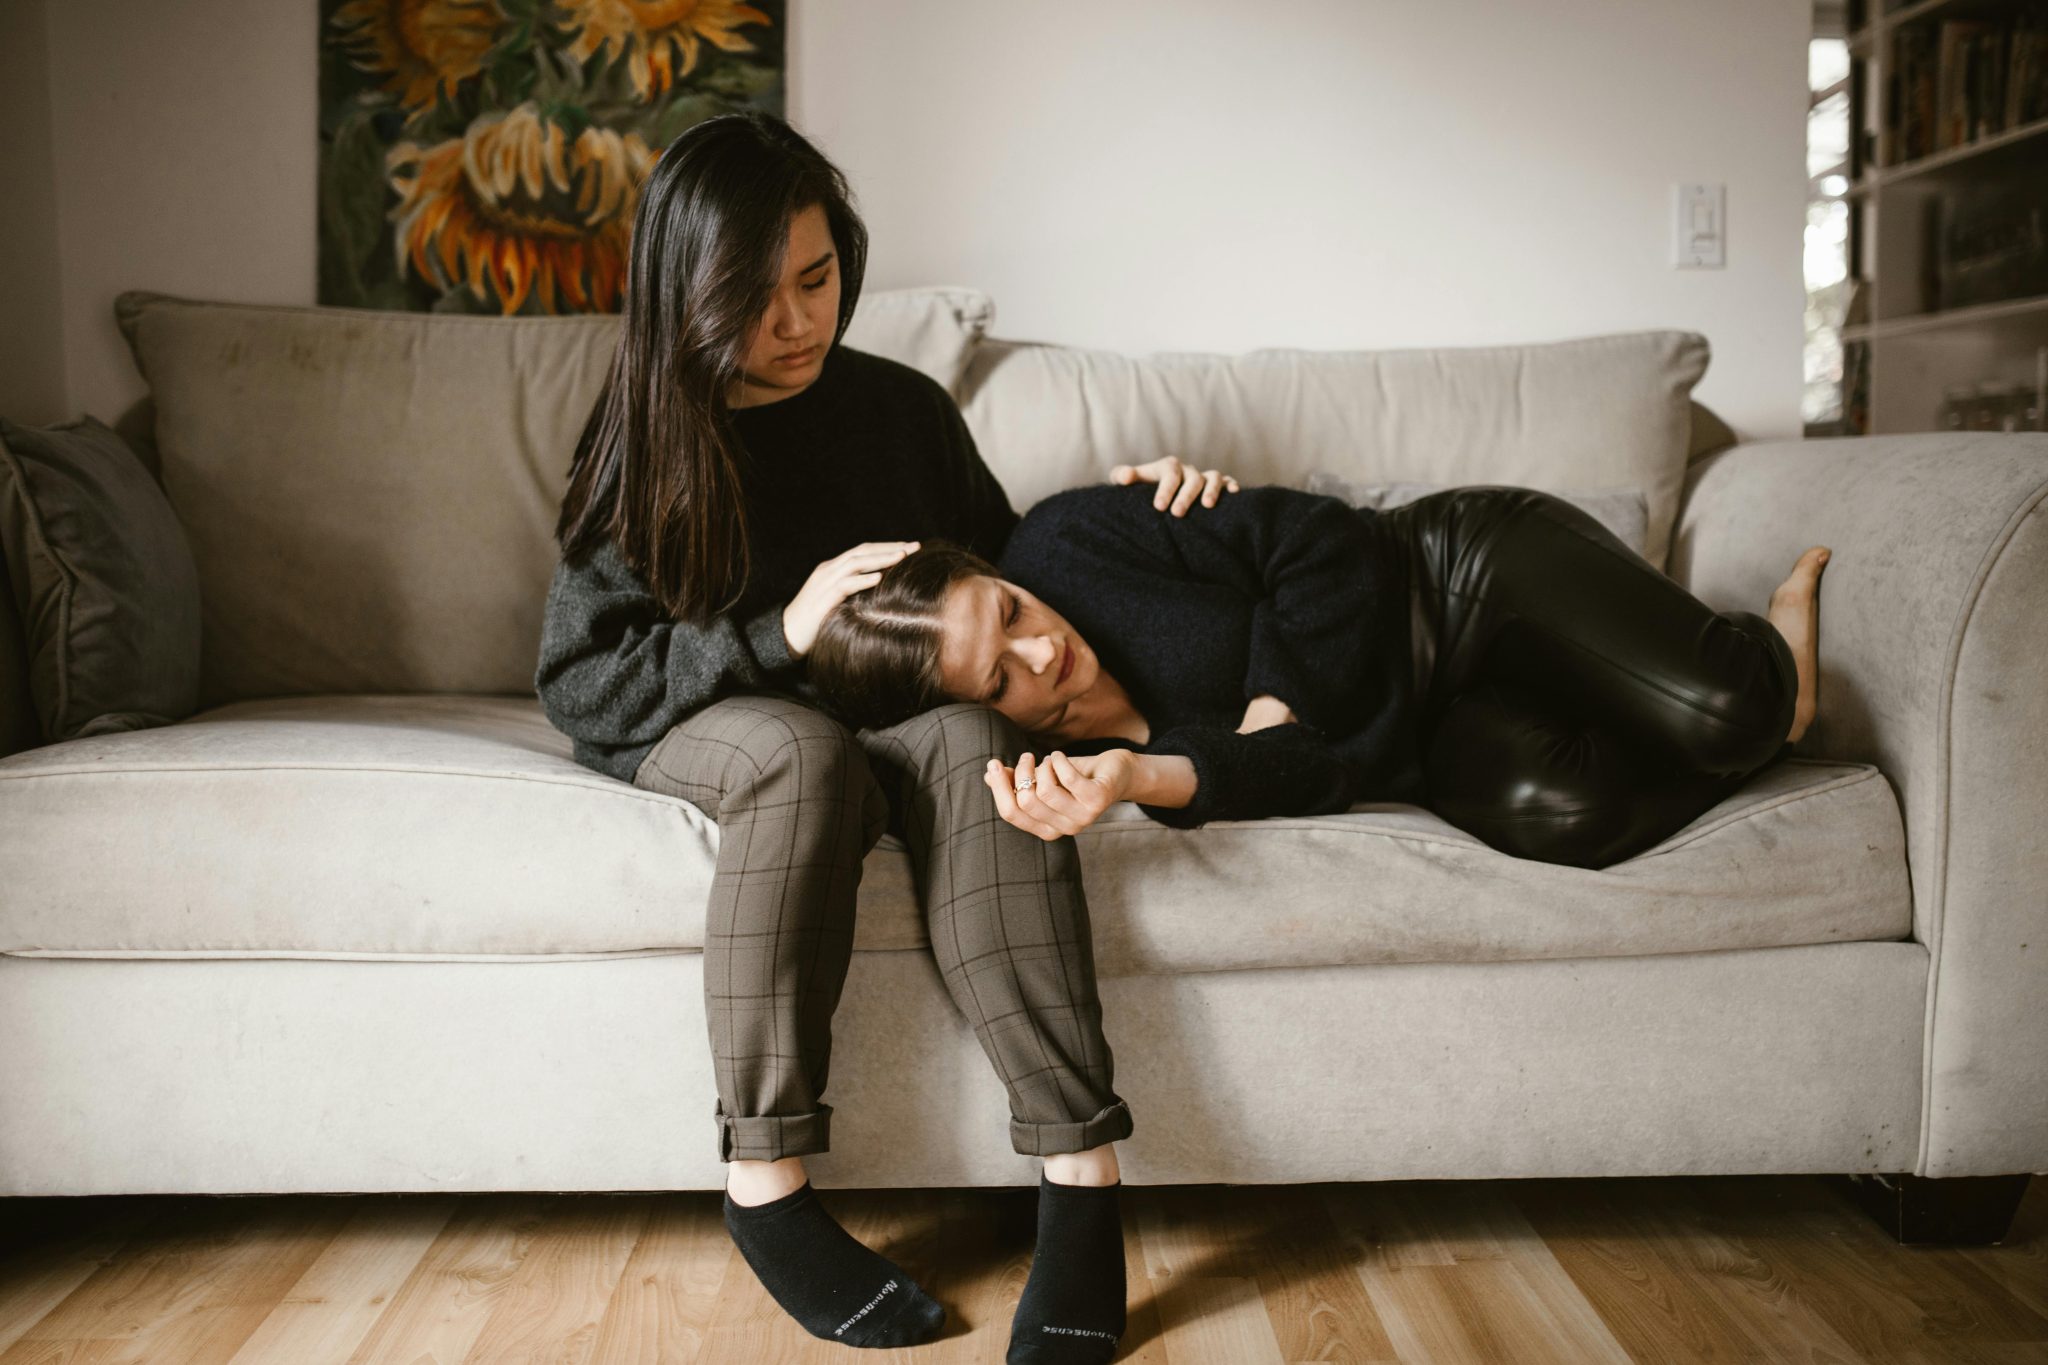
(102, 577)
(1624, 511)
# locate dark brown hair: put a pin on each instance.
(657, 468)
(876, 658)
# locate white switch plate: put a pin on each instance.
(1700, 226)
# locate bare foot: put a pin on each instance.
(1795, 611)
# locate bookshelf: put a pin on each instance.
(1948, 212)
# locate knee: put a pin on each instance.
(799, 744)
(1740, 727)
(1526, 784)
(961, 737)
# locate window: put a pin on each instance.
(1827, 224)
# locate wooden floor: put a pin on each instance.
(1783, 1268)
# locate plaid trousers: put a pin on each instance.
(800, 800)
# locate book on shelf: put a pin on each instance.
(1958, 81)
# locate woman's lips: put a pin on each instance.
(798, 358)
(1066, 665)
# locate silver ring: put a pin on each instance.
(1025, 784)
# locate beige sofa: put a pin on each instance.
(362, 924)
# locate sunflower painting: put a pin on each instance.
(485, 156)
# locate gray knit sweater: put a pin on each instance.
(872, 450)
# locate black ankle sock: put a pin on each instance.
(823, 1277)
(1072, 1312)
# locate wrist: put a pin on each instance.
(1161, 780)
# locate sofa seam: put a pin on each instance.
(606, 785)
(1937, 918)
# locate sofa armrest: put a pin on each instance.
(1934, 667)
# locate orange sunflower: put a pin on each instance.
(648, 32)
(419, 45)
(517, 207)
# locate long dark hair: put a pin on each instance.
(876, 659)
(657, 468)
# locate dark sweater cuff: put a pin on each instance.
(1279, 770)
(765, 638)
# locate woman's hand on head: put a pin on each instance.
(1067, 793)
(1180, 484)
(831, 583)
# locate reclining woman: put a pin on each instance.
(1491, 652)
(740, 475)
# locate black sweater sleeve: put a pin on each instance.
(1306, 562)
(616, 671)
(1280, 770)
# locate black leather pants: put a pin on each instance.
(1578, 706)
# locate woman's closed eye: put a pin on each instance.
(1003, 682)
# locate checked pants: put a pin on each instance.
(800, 800)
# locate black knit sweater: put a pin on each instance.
(871, 450)
(1270, 591)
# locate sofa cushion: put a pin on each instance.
(456, 827)
(1621, 510)
(371, 496)
(102, 579)
(1601, 412)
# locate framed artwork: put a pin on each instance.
(486, 156)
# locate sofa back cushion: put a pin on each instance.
(1597, 412)
(370, 497)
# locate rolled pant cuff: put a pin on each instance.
(1113, 1124)
(770, 1137)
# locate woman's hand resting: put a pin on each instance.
(1066, 795)
(1179, 483)
(831, 583)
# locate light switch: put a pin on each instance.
(1700, 226)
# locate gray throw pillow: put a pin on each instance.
(103, 580)
(1624, 511)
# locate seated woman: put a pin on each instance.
(1493, 653)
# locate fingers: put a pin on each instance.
(878, 552)
(1082, 797)
(1070, 780)
(1170, 475)
(1193, 488)
(1054, 798)
(1123, 473)
(1003, 785)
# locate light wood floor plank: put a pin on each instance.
(326, 1315)
(1743, 1274)
(35, 1279)
(1318, 1304)
(1645, 1297)
(670, 1285)
(1654, 1271)
(1212, 1320)
(441, 1308)
(549, 1311)
(194, 1295)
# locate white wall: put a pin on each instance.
(1164, 174)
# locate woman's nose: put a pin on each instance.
(1040, 652)
(791, 321)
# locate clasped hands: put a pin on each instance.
(1065, 793)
